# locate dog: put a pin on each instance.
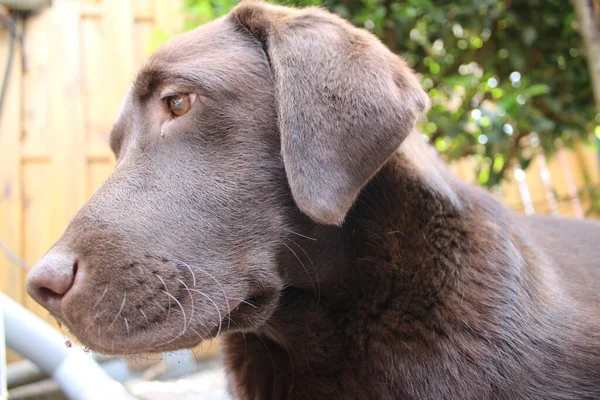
(272, 189)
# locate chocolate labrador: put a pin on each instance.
(271, 189)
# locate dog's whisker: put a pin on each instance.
(94, 319)
(166, 291)
(181, 333)
(126, 325)
(316, 273)
(191, 302)
(101, 297)
(145, 317)
(400, 232)
(120, 309)
(191, 271)
(204, 328)
(304, 267)
(211, 277)
(182, 310)
(301, 235)
(214, 304)
(197, 333)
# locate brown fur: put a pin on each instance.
(296, 210)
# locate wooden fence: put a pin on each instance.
(80, 58)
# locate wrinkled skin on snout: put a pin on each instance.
(179, 244)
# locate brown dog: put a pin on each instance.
(271, 188)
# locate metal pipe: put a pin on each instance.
(79, 375)
(23, 372)
(45, 389)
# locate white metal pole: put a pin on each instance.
(79, 376)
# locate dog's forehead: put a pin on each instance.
(218, 54)
(209, 46)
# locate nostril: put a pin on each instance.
(75, 268)
(47, 294)
(52, 278)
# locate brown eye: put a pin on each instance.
(180, 104)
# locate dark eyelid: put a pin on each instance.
(172, 93)
(158, 83)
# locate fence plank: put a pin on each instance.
(119, 23)
(11, 277)
(37, 138)
(66, 108)
(96, 74)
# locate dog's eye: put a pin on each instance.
(180, 104)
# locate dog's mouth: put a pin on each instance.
(243, 316)
(249, 313)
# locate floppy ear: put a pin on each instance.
(345, 102)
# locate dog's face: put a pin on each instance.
(184, 228)
(228, 134)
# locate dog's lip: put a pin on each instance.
(251, 307)
(227, 324)
(139, 343)
(242, 315)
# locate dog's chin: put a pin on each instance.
(245, 316)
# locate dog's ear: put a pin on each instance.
(345, 102)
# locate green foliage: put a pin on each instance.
(496, 71)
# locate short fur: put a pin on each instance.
(296, 211)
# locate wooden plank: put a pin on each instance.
(144, 10)
(97, 174)
(546, 178)
(589, 160)
(586, 162)
(37, 138)
(96, 87)
(66, 108)
(142, 39)
(119, 39)
(37, 219)
(464, 169)
(168, 16)
(11, 277)
(510, 193)
(537, 191)
(96, 11)
(560, 187)
(571, 172)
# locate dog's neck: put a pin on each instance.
(414, 184)
(403, 251)
(429, 280)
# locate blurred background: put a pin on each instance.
(515, 109)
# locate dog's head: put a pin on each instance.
(229, 133)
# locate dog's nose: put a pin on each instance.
(51, 278)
